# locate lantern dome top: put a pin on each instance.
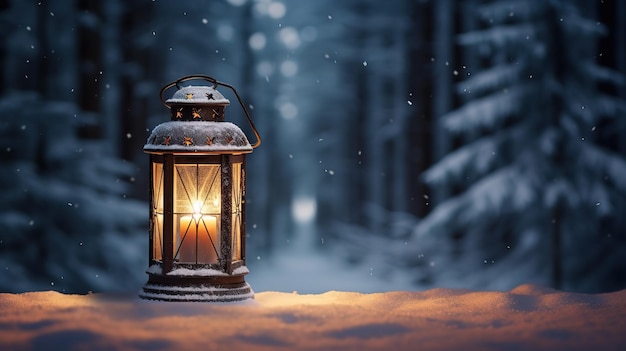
(197, 94)
(196, 136)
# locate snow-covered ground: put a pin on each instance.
(317, 274)
(525, 318)
(299, 267)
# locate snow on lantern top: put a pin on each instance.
(194, 94)
(198, 136)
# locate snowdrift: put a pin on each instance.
(526, 318)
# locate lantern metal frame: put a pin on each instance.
(172, 148)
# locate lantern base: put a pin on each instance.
(197, 293)
(196, 286)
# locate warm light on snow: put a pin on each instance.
(526, 318)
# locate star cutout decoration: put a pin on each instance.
(210, 96)
(229, 139)
(195, 112)
(188, 96)
(187, 141)
(215, 113)
(179, 113)
(209, 140)
(166, 140)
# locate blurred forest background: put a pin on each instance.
(407, 144)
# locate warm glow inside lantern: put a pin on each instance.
(197, 196)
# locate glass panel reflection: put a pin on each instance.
(197, 212)
(157, 211)
(237, 210)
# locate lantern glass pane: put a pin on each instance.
(197, 212)
(237, 209)
(157, 211)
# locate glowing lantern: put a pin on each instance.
(197, 198)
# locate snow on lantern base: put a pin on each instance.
(197, 285)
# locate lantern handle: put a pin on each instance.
(215, 84)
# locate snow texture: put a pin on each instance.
(197, 136)
(337, 133)
(64, 203)
(202, 272)
(194, 94)
(534, 184)
(526, 318)
(195, 293)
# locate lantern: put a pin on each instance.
(197, 248)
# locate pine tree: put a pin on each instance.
(67, 224)
(534, 185)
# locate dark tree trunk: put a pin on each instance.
(443, 13)
(558, 68)
(139, 61)
(4, 6)
(90, 55)
(90, 66)
(43, 73)
(557, 251)
(420, 124)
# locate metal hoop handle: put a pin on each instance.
(215, 84)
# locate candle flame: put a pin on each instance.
(197, 209)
